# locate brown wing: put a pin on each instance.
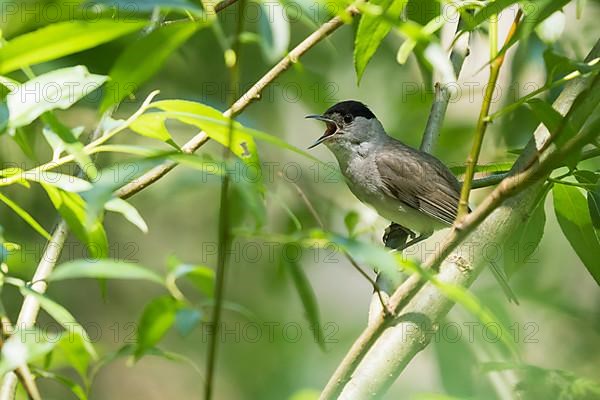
(421, 181)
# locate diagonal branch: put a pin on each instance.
(383, 349)
(482, 122)
(30, 308)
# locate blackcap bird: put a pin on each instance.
(409, 187)
(404, 185)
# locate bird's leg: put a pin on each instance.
(396, 236)
(414, 241)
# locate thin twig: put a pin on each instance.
(23, 373)
(482, 122)
(244, 101)
(508, 188)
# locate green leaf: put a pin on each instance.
(67, 140)
(76, 354)
(546, 114)
(104, 269)
(73, 209)
(156, 320)
(152, 125)
(593, 194)
(202, 277)
(372, 29)
(62, 316)
(128, 211)
(521, 245)
(75, 388)
(68, 183)
(60, 89)
(128, 73)
(571, 211)
(25, 216)
(213, 122)
(148, 6)
(309, 300)
(485, 13)
(61, 39)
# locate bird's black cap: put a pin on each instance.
(355, 108)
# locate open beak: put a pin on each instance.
(331, 128)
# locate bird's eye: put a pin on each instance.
(348, 118)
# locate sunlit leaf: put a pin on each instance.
(372, 29)
(128, 73)
(202, 277)
(61, 39)
(68, 141)
(25, 216)
(73, 209)
(156, 320)
(351, 220)
(574, 219)
(58, 89)
(128, 211)
(106, 269)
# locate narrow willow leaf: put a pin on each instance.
(519, 248)
(68, 183)
(372, 29)
(62, 316)
(485, 13)
(25, 216)
(105, 269)
(128, 73)
(546, 114)
(61, 39)
(152, 125)
(68, 142)
(148, 6)
(128, 211)
(574, 219)
(214, 123)
(201, 276)
(73, 209)
(309, 300)
(74, 387)
(58, 89)
(156, 320)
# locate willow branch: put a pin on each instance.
(482, 122)
(382, 350)
(30, 308)
(443, 94)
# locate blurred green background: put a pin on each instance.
(267, 350)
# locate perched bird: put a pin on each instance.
(406, 186)
(411, 188)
